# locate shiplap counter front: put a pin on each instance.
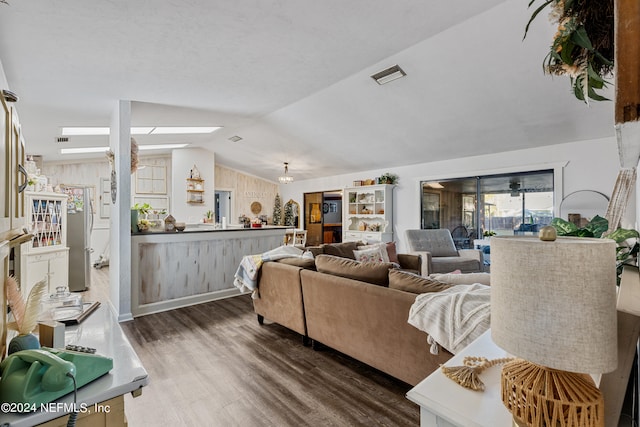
(171, 270)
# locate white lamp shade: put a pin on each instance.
(554, 303)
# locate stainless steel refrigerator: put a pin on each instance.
(79, 228)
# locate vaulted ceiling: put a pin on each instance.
(292, 78)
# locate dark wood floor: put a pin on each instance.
(214, 365)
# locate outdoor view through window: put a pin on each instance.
(476, 207)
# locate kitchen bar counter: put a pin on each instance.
(177, 269)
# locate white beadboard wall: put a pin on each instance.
(246, 189)
(88, 172)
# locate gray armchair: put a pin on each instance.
(439, 253)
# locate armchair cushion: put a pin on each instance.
(463, 279)
(445, 264)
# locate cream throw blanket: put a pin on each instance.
(453, 318)
(246, 277)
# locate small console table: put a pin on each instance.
(104, 396)
(444, 403)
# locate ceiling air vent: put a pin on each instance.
(388, 75)
(235, 138)
(62, 139)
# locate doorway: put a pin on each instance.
(222, 205)
(323, 217)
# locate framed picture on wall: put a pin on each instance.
(315, 214)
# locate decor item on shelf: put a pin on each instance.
(143, 209)
(195, 173)
(134, 220)
(286, 178)
(25, 314)
(256, 208)
(169, 223)
(277, 210)
(208, 216)
(558, 340)
(583, 46)
(144, 225)
(467, 375)
(388, 178)
(134, 158)
(180, 226)
(245, 221)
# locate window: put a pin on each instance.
(507, 204)
(151, 179)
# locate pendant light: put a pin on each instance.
(286, 178)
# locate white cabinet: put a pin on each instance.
(52, 266)
(46, 256)
(368, 213)
(13, 176)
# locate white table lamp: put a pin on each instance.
(553, 305)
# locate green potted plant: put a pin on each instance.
(583, 46)
(388, 178)
(626, 239)
(208, 216)
(138, 212)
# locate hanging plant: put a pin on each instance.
(583, 46)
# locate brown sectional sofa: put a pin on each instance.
(363, 320)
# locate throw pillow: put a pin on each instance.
(376, 273)
(463, 279)
(410, 282)
(392, 252)
(388, 250)
(372, 254)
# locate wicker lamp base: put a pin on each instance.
(539, 396)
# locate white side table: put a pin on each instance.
(444, 403)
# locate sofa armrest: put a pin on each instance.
(410, 262)
(472, 253)
(426, 262)
(280, 298)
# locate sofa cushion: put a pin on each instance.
(376, 273)
(463, 279)
(374, 254)
(410, 282)
(344, 249)
(315, 250)
(308, 263)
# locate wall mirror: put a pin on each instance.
(583, 205)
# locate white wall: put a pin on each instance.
(590, 165)
(4, 84)
(182, 161)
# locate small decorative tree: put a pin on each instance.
(277, 210)
(288, 215)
